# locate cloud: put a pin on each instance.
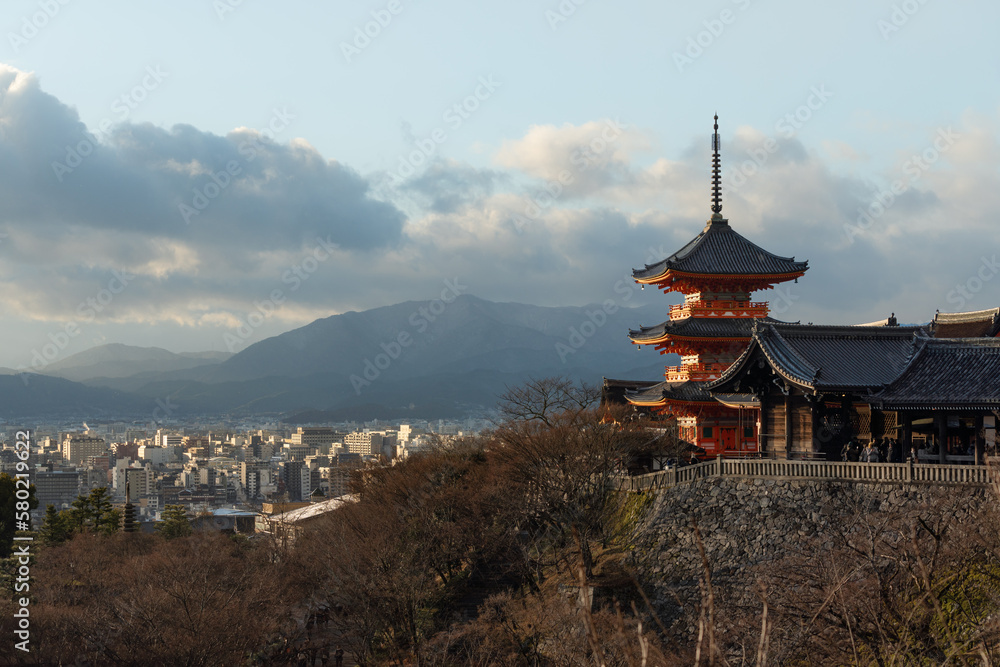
(596, 154)
(232, 192)
(446, 185)
(328, 239)
(170, 206)
(907, 259)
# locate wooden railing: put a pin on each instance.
(709, 371)
(719, 309)
(899, 473)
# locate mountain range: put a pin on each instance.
(415, 359)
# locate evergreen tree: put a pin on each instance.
(55, 528)
(80, 517)
(94, 512)
(175, 522)
(10, 509)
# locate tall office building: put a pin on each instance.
(77, 448)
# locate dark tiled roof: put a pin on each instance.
(948, 372)
(632, 385)
(830, 358)
(613, 391)
(699, 327)
(687, 391)
(737, 400)
(719, 250)
(887, 322)
(967, 325)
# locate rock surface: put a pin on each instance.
(745, 524)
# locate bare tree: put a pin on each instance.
(546, 399)
(562, 470)
(141, 600)
(419, 532)
(886, 587)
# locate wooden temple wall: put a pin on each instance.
(802, 421)
(783, 415)
(794, 414)
(773, 425)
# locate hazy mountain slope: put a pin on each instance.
(421, 358)
(469, 334)
(40, 396)
(115, 360)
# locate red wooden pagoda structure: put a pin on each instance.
(717, 272)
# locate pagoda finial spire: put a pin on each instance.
(716, 174)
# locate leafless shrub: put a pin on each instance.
(547, 400)
(883, 587)
(141, 600)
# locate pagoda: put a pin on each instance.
(717, 272)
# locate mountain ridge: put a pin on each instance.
(449, 361)
(118, 360)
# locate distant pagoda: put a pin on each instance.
(716, 272)
(128, 520)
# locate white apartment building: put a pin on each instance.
(164, 439)
(365, 444)
(140, 479)
(156, 455)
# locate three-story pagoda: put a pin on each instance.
(717, 272)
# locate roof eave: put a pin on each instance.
(734, 368)
(646, 404)
(669, 337)
(674, 273)
(907, 406)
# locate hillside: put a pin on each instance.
(115, 360)
(419, 359)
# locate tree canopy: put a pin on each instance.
(10, 509)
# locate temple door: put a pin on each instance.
(727, 438)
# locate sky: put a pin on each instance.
(203, 175)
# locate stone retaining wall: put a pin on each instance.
(745, 523)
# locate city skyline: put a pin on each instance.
(254, 164)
